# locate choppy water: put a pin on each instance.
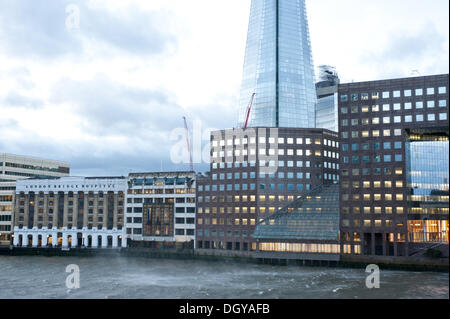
(100, 277)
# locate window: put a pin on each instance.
(430, 91)
(407, 93)
(397, 119)
(430, 104)
(344, 98)
(442, 103)
(442, 90)
(431, 117)
(419, 92)
(386, 95)
(408, 106)
(354, 97)
(419, 118)
(442, 116)
(386, 107)
(397, 106)
(375, 108)
(408, 118)
(419, 105)
(386, 120)
(364, 96)
(396, 94)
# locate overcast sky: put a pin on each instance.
(108, 94)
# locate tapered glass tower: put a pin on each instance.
(278, 67)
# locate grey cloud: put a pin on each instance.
(38, 29)
(15, 99)
(410, 49)
(109, 107)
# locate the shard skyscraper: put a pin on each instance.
(278, 67)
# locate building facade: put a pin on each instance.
(254, 173)
(70, 212)
(12, 168)
(278, 67)
(394, 166)
(160, 209)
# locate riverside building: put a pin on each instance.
(253, 174)
(13, 168)
(160, 209)
(394, 166)
(70, 212)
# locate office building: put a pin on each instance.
(12, 168)
(394, 166)
(253, 174)
(160, 209)
(278, 67)
(70, 212)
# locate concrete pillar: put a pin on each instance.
(75, 211)
(74, 241)
(115, 242)
(116, 203)
(372, 248)
(55, 239)
(55, 210)
(104, 241)
(66, 211)
(16, 240)
(44, 240)
(24, 240)
(85, 211)
(65, 241)
(35, 240)
(124, 241)
(94, 241)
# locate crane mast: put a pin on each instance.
(191, 164)
(249, 108)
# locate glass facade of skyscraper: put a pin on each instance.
(278, 67)
(428, 175)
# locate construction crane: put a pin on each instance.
(188, 144)
(249, 108)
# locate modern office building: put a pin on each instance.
(278, 67)
(160, 209)
(70, 212)
(14, 167)
(394, 166)
(254, 173)
(327, 99)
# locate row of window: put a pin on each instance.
(376, 171)
(375, 133)
(281, 187)
(221, 233)
(370, 223)
(376, 146)
(374, 184)
(395, 94)
(374, 210)
(366, 159)
(227, 221)
(273, 140)
(395, 107)
(395, 119)
(374, 197)
(279, 152)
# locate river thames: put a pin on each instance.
(144, 278)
